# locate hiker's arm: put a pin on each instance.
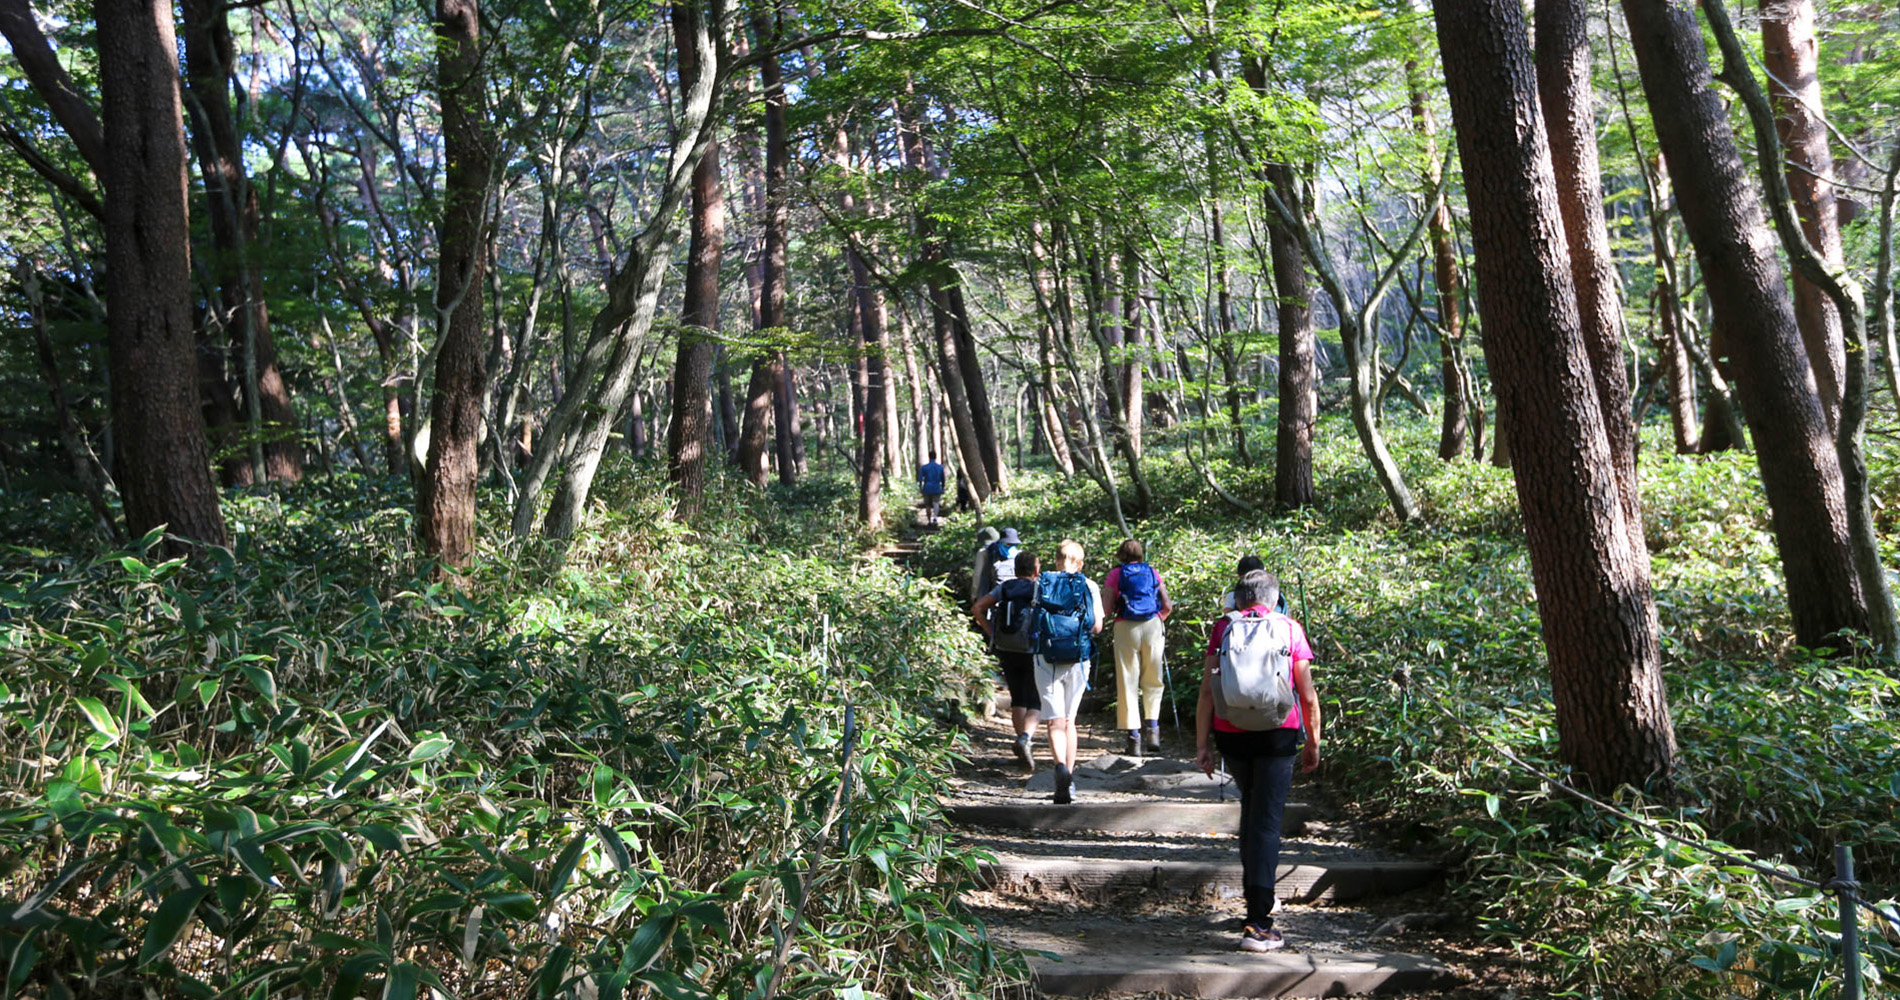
(1309, 713)
(1204, 717)
(1167, 603)
(1111, 591)
(980, 612)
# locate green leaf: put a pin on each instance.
(169, 923)
(262, 680)
(430, 749)
(402, 982)
(564, 867)
(95, 712)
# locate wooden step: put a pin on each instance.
(1088, 958)
(1116, 817)
(1301, 880)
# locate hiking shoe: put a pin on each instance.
(1064, 783)
(1260, 939)
(1131, 747)
(1152, 737)
(1022, 752)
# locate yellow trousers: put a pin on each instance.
(1138, 649)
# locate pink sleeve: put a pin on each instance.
(1214, 636)
(1113, 580)
(1302, 650)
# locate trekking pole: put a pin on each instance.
(1167, 681)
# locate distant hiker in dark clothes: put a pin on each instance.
(930, 479)
(1139, 601)
(998, 563)
(1257, 704)
(1003, 614)
(986, 536)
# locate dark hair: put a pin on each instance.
(1257, 587)
(1027, 564)
(933, 456)
(1129, 551)
(1248, 564)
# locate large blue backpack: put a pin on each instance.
(1065, 614)
(1140, 592)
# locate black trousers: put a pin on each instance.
(1262, 766)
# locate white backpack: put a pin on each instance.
(1256, 672)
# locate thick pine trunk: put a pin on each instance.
(1790, 53)
(445, 496)
(232, 208)
(1299, 374)
(1568, 103)
(1593, 589)
(163, 467)
(689, 433)
(1722, 211)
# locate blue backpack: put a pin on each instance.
(1064, 616)
(930, 478)
(1140, 592)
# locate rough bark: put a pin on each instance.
(1722, 212)
(1593, 589)
(231, 207)
(1790, 53)
(163, 467)
(1568, 102)
(1299, 374)
(689, 432)
(768, 375)
(445, 494)
(874, 357)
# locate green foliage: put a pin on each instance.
(1783, 755)
(306, 771)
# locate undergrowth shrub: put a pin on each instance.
(1431, 668)
(306, 770)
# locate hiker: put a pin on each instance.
(930, 477)
(1257, 704)
(1004, 616)
(997, 563)
(1068, 616)
(986, 536)
(1140, 603)
(1247, 565)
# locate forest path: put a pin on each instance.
(1135, 888)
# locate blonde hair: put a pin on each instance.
(1070, 553)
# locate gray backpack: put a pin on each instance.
(1256, 672)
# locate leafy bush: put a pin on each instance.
(306, 770)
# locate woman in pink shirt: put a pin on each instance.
(1261, 760)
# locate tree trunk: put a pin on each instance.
(1134, 339)
(769, 378)
(1790, 53)
(874, 357)
(1299, 375)
(982, 415)
(1568, 102)
(231, 207)
(1799, 469)
(1593, 589)
(1671, 341)
(758, 419)
(162, 465)
(1453, 428)
(689, 433)
(445, 496)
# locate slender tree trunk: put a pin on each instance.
(445, 497)
(1672, 351)
(1134, 340)
(768, 374)
(1568, 102)
(1799, 468)
(689, 434)
(919, 422)
(162, 465)
(1453, 428)
(1299, 374)
(232, 208)
(873, 358)
(982, 415)
(1790, 53)
(1593, 589)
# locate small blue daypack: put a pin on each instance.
(1140, 592)
(1064, 615)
